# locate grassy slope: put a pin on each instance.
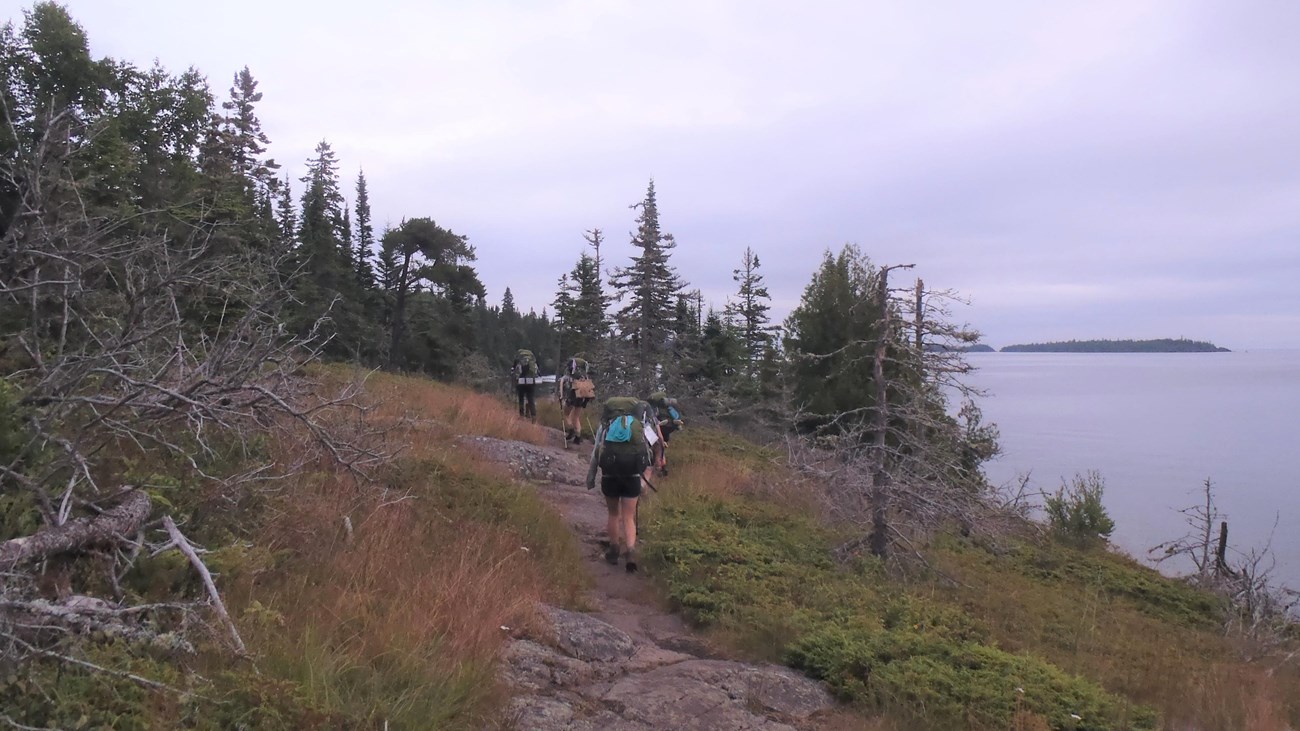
(398, 623)
(1036, 635)
(401, 621)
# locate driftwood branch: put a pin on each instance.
(186, 548)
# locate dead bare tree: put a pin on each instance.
(1261, 609)
(143, 334)
(901, 464)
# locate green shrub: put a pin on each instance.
(951, 684)
(763, 576)
(1076, 512)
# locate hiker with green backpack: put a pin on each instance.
(623, 454)
(525, 375)
(670, 419)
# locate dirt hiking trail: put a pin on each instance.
(629, 665)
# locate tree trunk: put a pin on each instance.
(880, 478)
(77, 535)
(879, 539)
(1221, 553)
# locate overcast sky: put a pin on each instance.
(1111, 168)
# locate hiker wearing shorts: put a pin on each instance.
(622, 455)
(669, 420)
(575, 390)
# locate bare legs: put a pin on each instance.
(621, 527)
(572, 424)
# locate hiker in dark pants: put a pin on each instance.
(525, 374)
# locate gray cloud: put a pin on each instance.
(1102, 169)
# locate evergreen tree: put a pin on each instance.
(365, 239)
(248, 142)
(830, 337)
(388, 272)
(508, 311)
(345, 241)
(649, 286)
(329, 286)
(580, 307)
(423, 252)
(286, 220)
(722, 353)
(748, 313)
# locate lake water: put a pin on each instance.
(1156, 426)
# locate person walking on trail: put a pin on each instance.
(525, 374)
(622, 454)
(669, 419)
(575, 390)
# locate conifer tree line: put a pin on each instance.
(154, 149)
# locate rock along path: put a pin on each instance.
(629, 665)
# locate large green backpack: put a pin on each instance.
(525, 363)
(623, 451)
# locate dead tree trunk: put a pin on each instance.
(1221, 552)
(879, 538)
(77, 535)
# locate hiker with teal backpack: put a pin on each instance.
(670, 419)
(525, 375)
(623, 454)
(575, 390)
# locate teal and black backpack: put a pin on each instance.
(623, 451)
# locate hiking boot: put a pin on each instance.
(631, 566)
(611, 555)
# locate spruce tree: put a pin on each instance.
(365, 239)
(649, 286)
(830, 337)
(328, 286)
(580, 307)
(748, 312)
(508, 310)
(286, 220)
(247, 140)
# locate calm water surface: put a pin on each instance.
(1156, 426)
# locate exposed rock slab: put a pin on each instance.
(588, 674)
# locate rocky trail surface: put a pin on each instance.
(629, 665)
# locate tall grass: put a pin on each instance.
(388, 602)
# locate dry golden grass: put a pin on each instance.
(401, 617)
(442, 410)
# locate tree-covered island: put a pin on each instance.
(1161, 345)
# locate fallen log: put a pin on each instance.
(110, 526)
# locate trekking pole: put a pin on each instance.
(649, 483)
(564, 422)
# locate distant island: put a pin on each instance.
(978, 348)
(1162, 345)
